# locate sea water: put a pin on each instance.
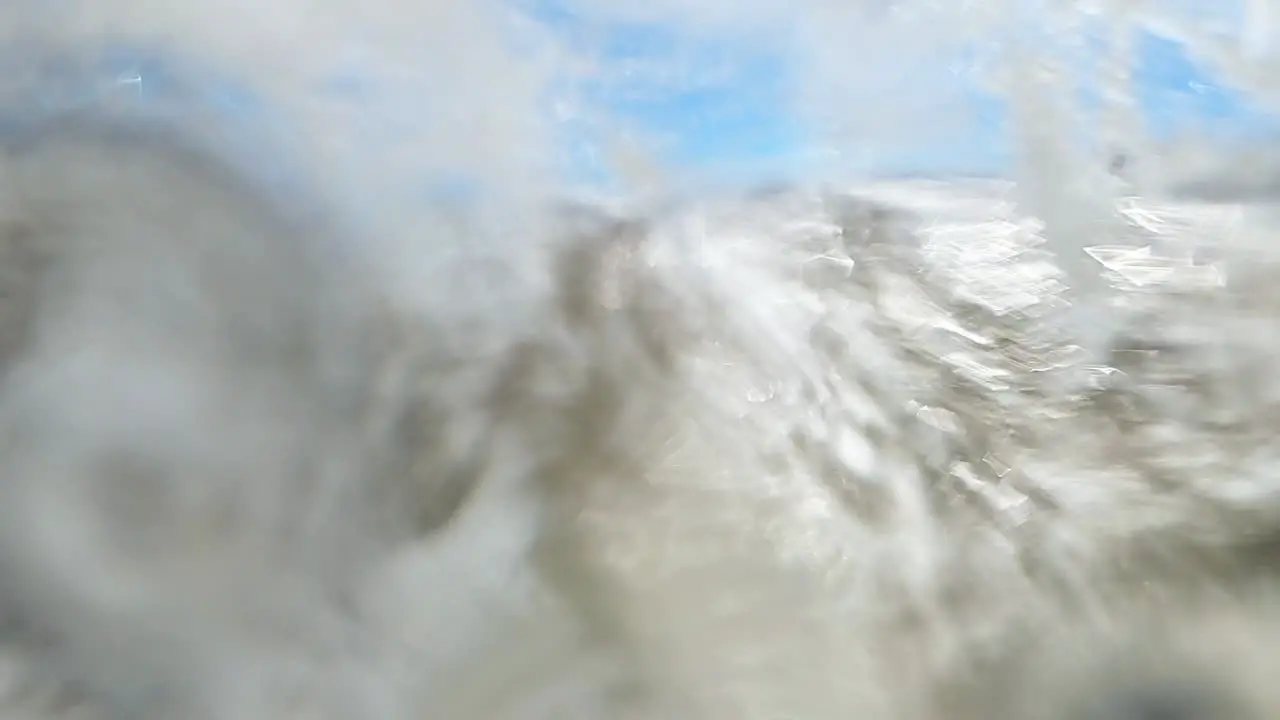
(413, 115)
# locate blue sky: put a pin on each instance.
(736, 114)
(724, 106)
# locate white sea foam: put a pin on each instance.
(305, 440)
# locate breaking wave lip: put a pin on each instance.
(975, 249)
